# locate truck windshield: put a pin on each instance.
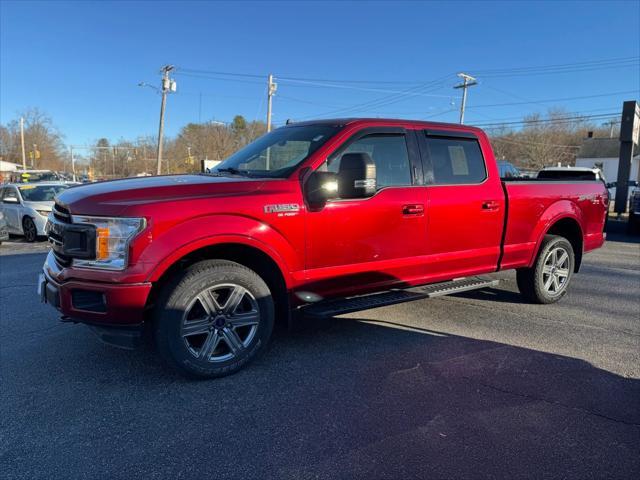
(278, 153)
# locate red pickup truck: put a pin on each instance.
(325, 217)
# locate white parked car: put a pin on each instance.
(26, 206)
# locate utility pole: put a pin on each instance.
(271, 90)
(467, 81)
(33, 159)
(24, 155)
(73, 163)
(611, 124)
(167, 86)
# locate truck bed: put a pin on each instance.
(533, 205)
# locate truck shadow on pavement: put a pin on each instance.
(340, 398)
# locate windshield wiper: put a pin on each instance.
(233, 171)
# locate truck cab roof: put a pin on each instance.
(340, 122)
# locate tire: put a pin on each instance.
(549, 278)
(29, 230)
(213, 318)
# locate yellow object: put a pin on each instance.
(102, 243)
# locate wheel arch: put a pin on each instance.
(251, 256)
(569, 228)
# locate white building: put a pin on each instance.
(603, 153)
(8, 166)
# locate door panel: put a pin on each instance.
(466, 208)
(367, 243)
(359, 245)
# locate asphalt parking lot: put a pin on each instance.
(478, 385)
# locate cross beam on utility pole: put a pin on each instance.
(271, 91)
(24, 155)
(467, 81)
(168, 85)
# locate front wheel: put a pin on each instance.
(29, 229)
(547, 281)
(214, 318)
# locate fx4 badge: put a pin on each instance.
(282, 208)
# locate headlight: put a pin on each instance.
(113, 236)
(44, 213)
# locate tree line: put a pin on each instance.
(543, 139)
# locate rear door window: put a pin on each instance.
(456, 161)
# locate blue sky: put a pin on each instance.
(81, 61)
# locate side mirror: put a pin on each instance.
(356, 176)
(10, 200)
(320, 187)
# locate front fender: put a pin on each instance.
(197, 233)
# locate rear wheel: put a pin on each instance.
(214, 318)
(29, 229)
(547, 281)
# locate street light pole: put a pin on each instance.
(467, 81)
(166, 87)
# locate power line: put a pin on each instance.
(581, 113)
(550, 120)
(560, 68)
(389, 99)
(350, 87)
(500, 139)
(547, 100)
(590, 64)
(563, 65)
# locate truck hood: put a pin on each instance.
(116, 196)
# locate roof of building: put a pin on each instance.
(599, 148)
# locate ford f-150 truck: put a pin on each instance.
(325, 217)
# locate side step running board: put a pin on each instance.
(455, 286)
(330, 308)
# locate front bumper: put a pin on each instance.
(40, 222)
(96, 303)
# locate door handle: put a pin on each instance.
(416, 209)
(491, 205)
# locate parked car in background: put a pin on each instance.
(634, 211)
(508, 170)
(4, 233)
(571, 173)
(25, 207)
(612, 187)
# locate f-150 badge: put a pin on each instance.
(282, 208)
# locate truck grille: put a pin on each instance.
(61, 213)
(69, 240)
